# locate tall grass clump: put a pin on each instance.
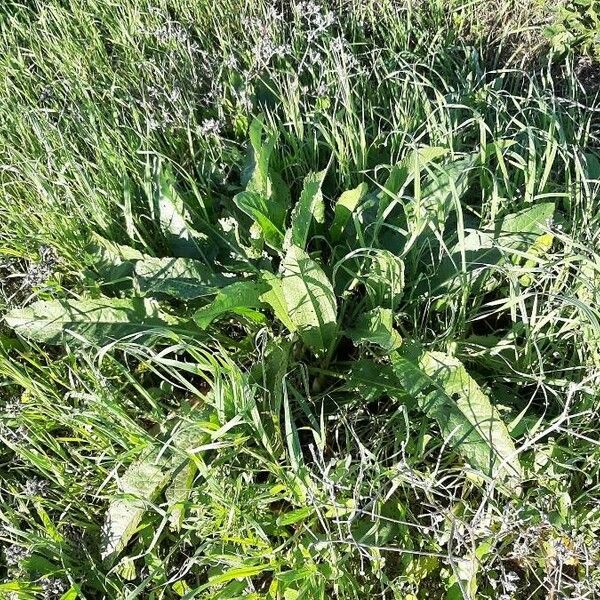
(299, 300)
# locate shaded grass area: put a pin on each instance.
(93, 94)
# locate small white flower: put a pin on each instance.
(210, 127)
(35, 487)
(13, 436)
(228, 224)
(14, 555)
(231, 62)
(53, 588)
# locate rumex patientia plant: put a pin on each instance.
(327, 285)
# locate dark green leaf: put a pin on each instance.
(241, 298)
(182, 278)
(376, 327)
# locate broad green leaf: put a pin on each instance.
(436, 200)
(481, 249)
(376, 327)
(241, 298)
(239, 573)
(280, 191)
(373, 380)
(344, 208)
(462, 584)
(309, 207)
(465, 416)
(178, 493)
(22, 589)
(295, 516)
(267, 376)
(536, 253)
(88, 321)
(310, 299)
(275, 298)
(114, 263)
(384, 280)
(266, 213)
(410, 167)
(182, 278)
(140, 484)
(447, 185)
(533, 241)
(115, 253)
(479, 252)
(172, 215)
(72, 593)
(143, 481)
(520, 230)
(255, 177)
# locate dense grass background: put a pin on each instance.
(93, 92)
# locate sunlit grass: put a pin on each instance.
(301, 484)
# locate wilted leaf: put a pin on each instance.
(310, 300)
